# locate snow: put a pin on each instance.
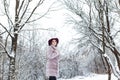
(92, 77)
(114, 68)
(12, 54)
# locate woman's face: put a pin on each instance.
(54, 42)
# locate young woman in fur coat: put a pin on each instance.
(52, 67)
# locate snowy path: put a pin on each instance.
(91, 77)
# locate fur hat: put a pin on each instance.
(50, 41)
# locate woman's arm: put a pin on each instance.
(51, 53)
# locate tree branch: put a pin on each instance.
(42, 15)
(116, 33)
(2, 45)
(23, 12)
(6, 12)
(2, 32)
(21, 6)
(39, 3)
(7, 30)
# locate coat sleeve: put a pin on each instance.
(51, 54)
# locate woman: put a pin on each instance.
(52, 59)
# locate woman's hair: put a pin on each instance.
(50, 41)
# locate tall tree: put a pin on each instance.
(96, 24)
(22, 13)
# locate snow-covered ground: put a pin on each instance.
(92, 77)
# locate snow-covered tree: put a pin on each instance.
(17, 14)
(96, 26)
(30, 59)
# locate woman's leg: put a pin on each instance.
(52, 78)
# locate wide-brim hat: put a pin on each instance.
(50, 41)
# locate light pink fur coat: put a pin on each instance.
(52, 64)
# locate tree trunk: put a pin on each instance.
(12, 58)
(108, 30)
(1, 66)
(14, 45)
(1, 60)
(12, 69)
(101, 15)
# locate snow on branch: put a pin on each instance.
(12, 54)
(115, 69)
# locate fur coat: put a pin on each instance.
(52, 64)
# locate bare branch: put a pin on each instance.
(6, 12)
(16, 8)
(39, 3)
(6, 30)
(6, 40)
(49, 9)
(3, 32)
(116, 33)
(96, 46)
(2, 45)
(23, 12)
(21, 6)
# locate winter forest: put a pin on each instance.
(88, 31)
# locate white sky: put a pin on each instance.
(57, 20)
(54, 19)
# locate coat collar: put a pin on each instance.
(53, 47)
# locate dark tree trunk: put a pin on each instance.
(12, 58)
(101, 16)
(12, 68)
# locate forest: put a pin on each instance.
(88, 31)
